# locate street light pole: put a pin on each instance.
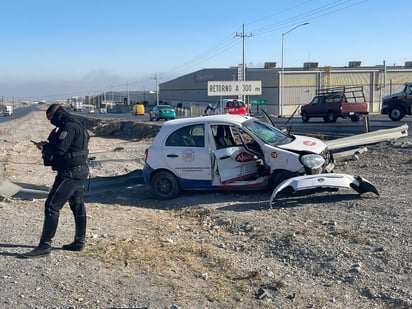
(282, 75)
(157, 88)
(128, 95)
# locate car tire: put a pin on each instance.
(355, 118)
(330, 117)
(165, 185)
(305, 117)
(279, 176)
(396, 113)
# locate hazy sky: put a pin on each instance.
(56, 48)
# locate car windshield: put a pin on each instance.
(267, 133)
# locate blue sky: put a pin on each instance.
(56, 48)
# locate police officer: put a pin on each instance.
(66, 151)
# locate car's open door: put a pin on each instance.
(235, 164)
(267, 118)
(283, 128)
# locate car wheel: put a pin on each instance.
(355, 118)
(396, 113)
(278, 176)
(331, 117)
(305, 117)
(165, 186)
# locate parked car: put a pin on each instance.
(230, 106)
(233, 152)
(331, 103)
(165, 112)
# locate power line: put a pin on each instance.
(324, 10)
(212, 52)
(243, 36)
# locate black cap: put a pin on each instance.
(52, 110)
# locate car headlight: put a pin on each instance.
(312, 161)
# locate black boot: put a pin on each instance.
(44, 247)
(80, 235)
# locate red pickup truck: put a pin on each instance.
(331, 103)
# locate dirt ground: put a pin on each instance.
(206, 249)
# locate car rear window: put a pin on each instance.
(190, 136)
(235, 104)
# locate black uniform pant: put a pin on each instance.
(68, 186)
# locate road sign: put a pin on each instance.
(259, 102)
(234, 88)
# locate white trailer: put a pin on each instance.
(76, 103)
(8, 110)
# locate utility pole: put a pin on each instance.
(128, 96)
(157, 88)
(243, 36)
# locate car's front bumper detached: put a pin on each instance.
(322, 182)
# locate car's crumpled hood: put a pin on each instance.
(305, 143)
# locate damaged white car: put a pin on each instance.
(233, 152)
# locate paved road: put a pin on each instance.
(18, 112)
(341, 128)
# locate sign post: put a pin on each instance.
(258, 103)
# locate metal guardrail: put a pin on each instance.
(369, 138)
(191, 111)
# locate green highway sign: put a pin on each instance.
(258, 102)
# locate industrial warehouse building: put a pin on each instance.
(290, 86)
